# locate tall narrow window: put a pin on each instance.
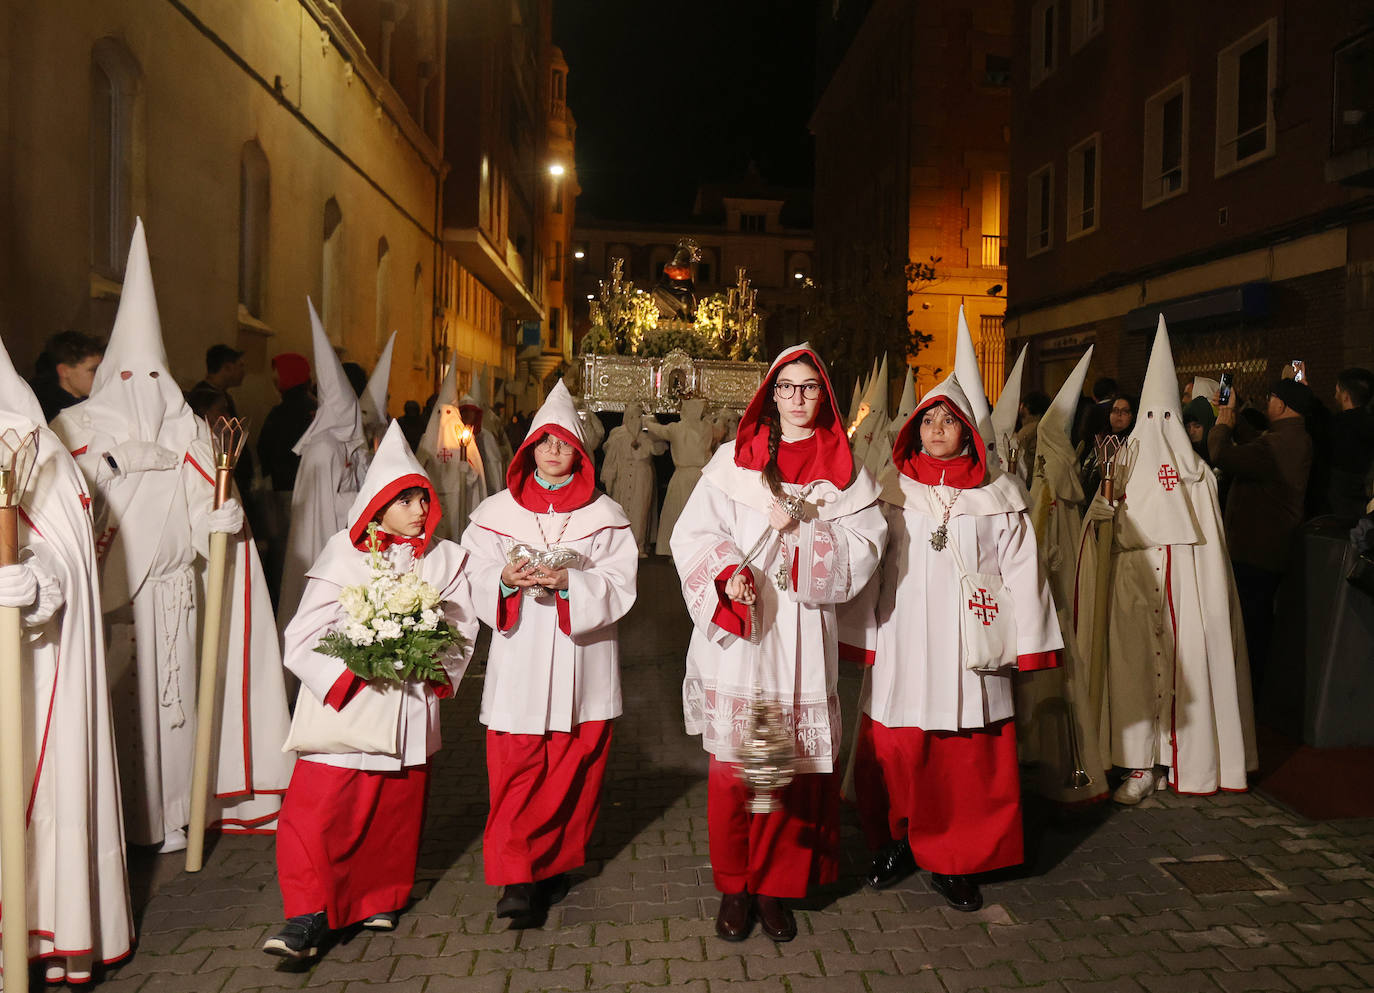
(332, 272)
(419, 327)
(114, 78)
(254, 201)
(1246, 71)
(1044, 39)
(556, 263)
(1165, 169)
(555, 329)
(1040, 211)
(1087, 21)
(1084, 171)
(383, 292)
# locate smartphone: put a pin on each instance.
(1299, 371)
(1224, 395)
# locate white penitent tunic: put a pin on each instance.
(460, 488)
(919, 679)
(690, 440)
(78, 896)
(326, 484)
(795, 661)
(541, 677)
(628, 473)
(340, 565)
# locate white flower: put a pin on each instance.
(403, 600)
(429, 597)
(353, 599)
(429, 619)
(408, 621)
(359, 634)
(386, 628)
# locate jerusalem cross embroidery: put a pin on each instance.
(984, 606)
(1168, 477)
(445, 455)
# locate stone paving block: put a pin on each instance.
(986, 953)
(1188, 982)
(389, 945)
(1333, 951)
(571, 978)
(872, 941)
(683, 970)
(566, 955)
(1334, 976)
(962, 980)
(206, 982)
(836, 963)
(849, 982)
(644, 931)
(762, 965)
(448, 965)
(515, 958)
(771, 985)
(330, 969)
(916, 960)
(1213, 937)
(702, 927)
(689, 949)
(619, 914)
(1052, 951)
(458, 942)
(1204, 958)
(1036, 972)
(1118, 966)
(1121, 985)
(645, 913)
(916, 982)
(265, 973)
(605, 974)
(416, 985)
(1342, 929)
(494, 982)
(1254, 980)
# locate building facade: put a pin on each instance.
(912, 163)
(1225, 181)
(289, 152)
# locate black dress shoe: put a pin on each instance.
(891, 865)
(518, 900)
(732, 920)
(554, 889)
(775, 917)
(960, 892)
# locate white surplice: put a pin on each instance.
(628, 474)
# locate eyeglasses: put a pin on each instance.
(784, 391)
(555, 446)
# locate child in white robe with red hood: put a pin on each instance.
(935, 768)
(553, 677)
(769, 631)
(349, 832)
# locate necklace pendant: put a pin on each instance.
(939, 538)
(783, 575)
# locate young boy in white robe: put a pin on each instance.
(78, 894)
(553, 570)
(935, 767)
(769, 632)
(349, 832)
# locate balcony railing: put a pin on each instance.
(994, 250)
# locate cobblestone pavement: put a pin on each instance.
(1119, 900)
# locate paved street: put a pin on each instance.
(1224, 893)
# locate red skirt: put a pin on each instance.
(545, 795)
(348, 839)
(778, 854)
(955, 795)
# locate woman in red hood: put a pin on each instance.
(555, 569)
(765, 628)
(961, 604)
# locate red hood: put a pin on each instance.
(833, 461)
(907, 454)
(578, 492)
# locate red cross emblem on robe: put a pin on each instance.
(1168, 477)
(445, 455)
(984, 606)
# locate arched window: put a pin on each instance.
(115, 79)
(332, 275)
(419, 329)
(254, 198)
(383, 292)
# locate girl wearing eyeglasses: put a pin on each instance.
(554, 568)
(787, 488)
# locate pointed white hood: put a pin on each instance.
(1054, 437)
(1156, 510)
(134, 393)
(854, 404)
(16, 396)
(448, 394)
(907, 406)
(560, 411)
(1004, 414)
(394, 469)
(338, 414)
(372, 403)
(971, 379)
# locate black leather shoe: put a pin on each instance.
(891, 865)
(518, 900)
(960, 892)
(775, 917)
(554, 889)
(733, 918)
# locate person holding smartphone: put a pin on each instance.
(1268, 482)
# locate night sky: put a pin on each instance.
(668, 96)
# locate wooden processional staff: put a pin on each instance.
(18, 454)
(227, 440)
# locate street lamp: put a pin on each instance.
(579, 254)
(799, 275)
(556, 170)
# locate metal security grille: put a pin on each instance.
(991, 348)
(1243, 352)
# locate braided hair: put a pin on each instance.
(772, 421)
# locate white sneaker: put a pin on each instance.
(174, 841)
(1136, 787)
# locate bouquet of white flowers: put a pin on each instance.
(395, 630)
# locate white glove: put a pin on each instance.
(1099, 510)
(18, 585)
(227, 520)
(142, 456)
